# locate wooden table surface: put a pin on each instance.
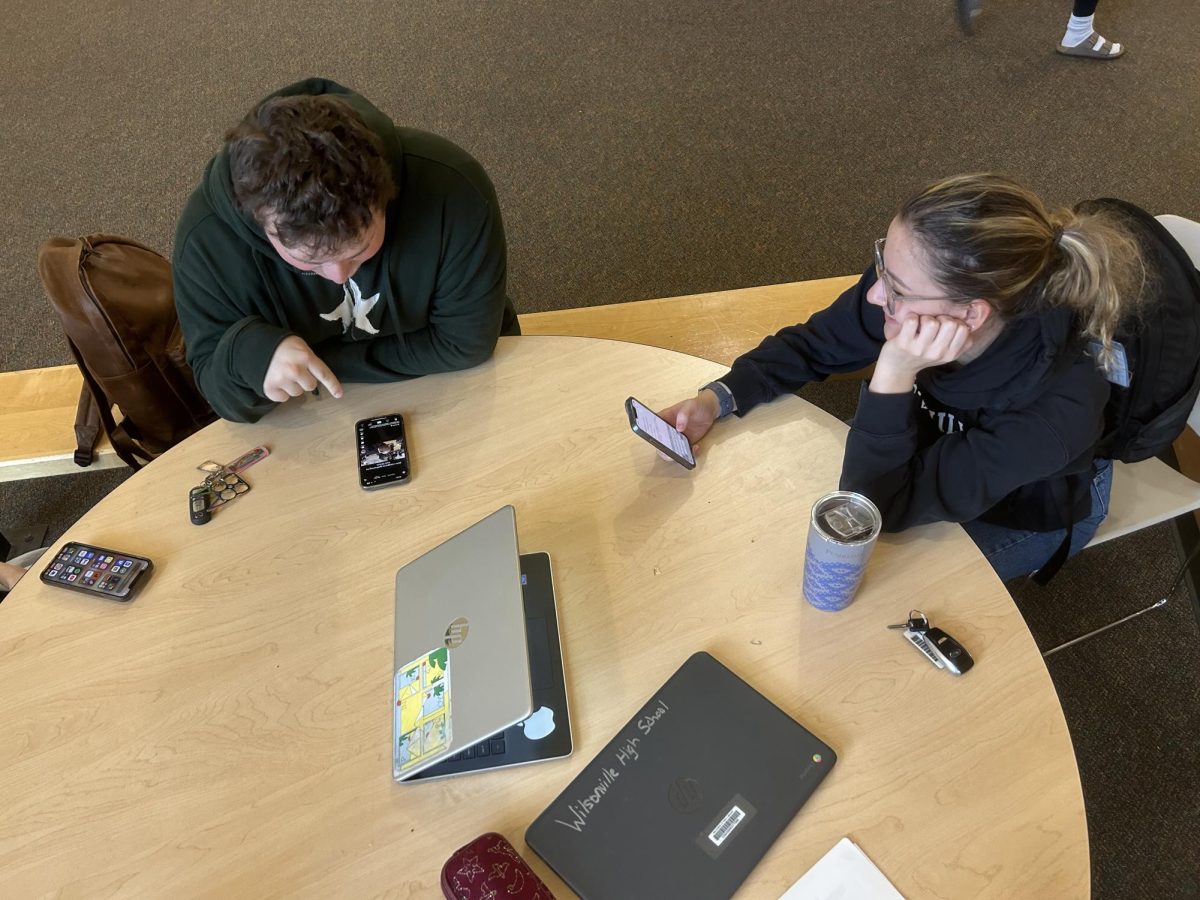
(227, 733)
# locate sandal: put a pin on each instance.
(1093, 47)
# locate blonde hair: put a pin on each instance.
(990, 237)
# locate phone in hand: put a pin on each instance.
(382, 452)
(660, 433)
(97, 571)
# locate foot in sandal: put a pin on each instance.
(1081, 39)
(1093, 46)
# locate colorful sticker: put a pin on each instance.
(422, 711)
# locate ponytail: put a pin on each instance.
(1099, 274)
(990, 237)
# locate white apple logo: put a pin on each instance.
(540, 724)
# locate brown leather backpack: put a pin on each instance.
(117, 305)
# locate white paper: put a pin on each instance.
(844, 873)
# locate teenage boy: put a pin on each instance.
(327, 244)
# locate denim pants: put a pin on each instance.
(1013, 552)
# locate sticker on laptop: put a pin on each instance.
(729, 822)
(422, 710)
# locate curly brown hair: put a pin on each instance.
(311, 167)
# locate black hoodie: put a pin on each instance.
(984, 440)
(431, 300)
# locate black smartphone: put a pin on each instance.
(660, 433)
(97, 570)
(382, 452)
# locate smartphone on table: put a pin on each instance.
(659, 433)
(382, 452)
(97, 570)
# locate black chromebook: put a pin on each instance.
(689, 795)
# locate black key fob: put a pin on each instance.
(198, 506)
(954, 656)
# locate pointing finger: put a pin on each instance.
(325, 375)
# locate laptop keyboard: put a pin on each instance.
(493, 746)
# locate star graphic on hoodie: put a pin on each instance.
(353, 308)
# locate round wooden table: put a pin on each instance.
(228, 732)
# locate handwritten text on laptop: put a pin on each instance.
(625, 755)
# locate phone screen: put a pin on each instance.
(95, 570)
(659, 432)
(382, 451)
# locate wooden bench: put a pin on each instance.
(718, 326)
(37, 421)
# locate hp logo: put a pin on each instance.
(685, 795)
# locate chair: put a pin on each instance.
(1148, 492)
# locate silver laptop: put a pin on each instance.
(546, 734)
(461, 658)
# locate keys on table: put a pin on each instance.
(917, 621)
(937, 646)
(222, 483)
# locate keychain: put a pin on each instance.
(222, 483)
(239, 465)
(247, 459)
(939, 648)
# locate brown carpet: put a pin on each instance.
(655, 149)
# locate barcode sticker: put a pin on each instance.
(726, 825)
(721, 831)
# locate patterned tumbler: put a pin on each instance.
(841, 534)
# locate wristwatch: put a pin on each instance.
(724, 397)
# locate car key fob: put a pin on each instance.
(937, 646)
(953, 655)
(198, 506)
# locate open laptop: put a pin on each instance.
(478, 679)
(689, 795)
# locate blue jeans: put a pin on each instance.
(1013, 552)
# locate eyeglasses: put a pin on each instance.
(889, 290)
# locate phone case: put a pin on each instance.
(489, 867)
(98, 571)
(374, 479)
(631, 412)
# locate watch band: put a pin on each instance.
(724, 397)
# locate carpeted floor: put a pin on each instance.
(644, 150)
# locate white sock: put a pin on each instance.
(1078, 28)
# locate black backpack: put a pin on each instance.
(1162, 347)
(1162, 353)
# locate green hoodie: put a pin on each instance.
(431, 300)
